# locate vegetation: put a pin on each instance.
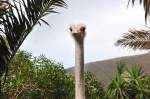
(129, 84)
(146, 6)
(41, 78)
(17, 19)
(132, 83)
(93, 88)
(38, 78)
(137, 39)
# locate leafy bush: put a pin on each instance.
(42, 78)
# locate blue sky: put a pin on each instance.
(106, 21)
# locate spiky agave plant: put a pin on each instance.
(17, 20)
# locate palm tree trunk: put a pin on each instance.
(0, 85)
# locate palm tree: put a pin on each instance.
(136, 39)
(17, 20)
(146, 6)
(137, 84)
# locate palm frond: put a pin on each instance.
(146, 5)
(135, 39)
(18, 20)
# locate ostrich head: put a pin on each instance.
(78, 31)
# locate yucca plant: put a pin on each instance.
(129, 83)
(137, 83)
(17, 19)
(117, 88)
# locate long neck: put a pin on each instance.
(79, 69)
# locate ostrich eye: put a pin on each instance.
(70, 29)
(82, 28)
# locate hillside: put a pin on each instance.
(105, 70)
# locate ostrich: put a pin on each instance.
(78, 34)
